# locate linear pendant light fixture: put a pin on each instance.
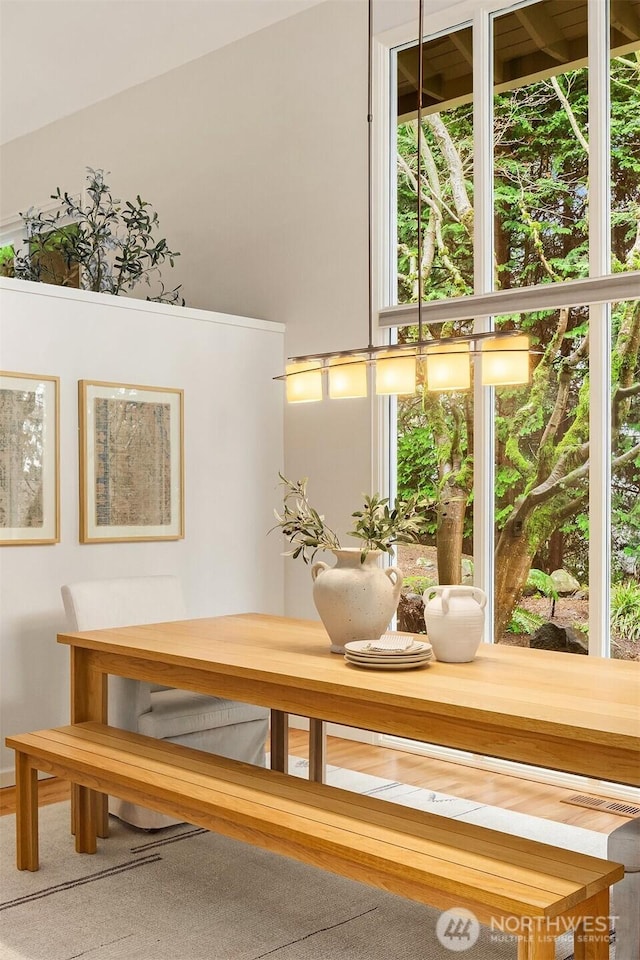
(440, 364)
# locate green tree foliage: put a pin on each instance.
(541, 222)
(7, 254)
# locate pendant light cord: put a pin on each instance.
(419, 165)
(323, 361)
(370, 167)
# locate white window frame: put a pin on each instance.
(12, 232)
(597, 291)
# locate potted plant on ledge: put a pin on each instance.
(356, 598)
(94, 242)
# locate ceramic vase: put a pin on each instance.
(454, 618)
(356, 599)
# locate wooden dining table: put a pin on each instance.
(559, 711)
(554, 710)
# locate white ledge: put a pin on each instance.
(141, 306)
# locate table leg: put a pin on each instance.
(89, 810)
(317, 750)
(279, 741)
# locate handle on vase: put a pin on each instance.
(446, 593)
(462, 590)
(435, 591)
(317, 569)
(392, 572)
(465, 591)
(480, 596)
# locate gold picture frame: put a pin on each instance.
(131, 462)
(29, 459)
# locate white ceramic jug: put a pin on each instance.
(454, 617)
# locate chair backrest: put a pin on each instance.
(123, 602)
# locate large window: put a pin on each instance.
(531, 196)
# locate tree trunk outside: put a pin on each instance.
(556, 551)
(451, 511)
(512, 564)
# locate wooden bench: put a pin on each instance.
(421, 856)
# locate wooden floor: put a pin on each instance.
(512, 793)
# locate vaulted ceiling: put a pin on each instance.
(530, 43)
(58, 56)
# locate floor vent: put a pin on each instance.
(607, 806)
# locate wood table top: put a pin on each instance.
(533, 688)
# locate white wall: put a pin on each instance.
(255, 158)
(233, 451)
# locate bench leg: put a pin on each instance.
(280, 741)
(591, 939)
(73, 806)
(102, 815)
(537, 945)
(26, 814)
(85, 820)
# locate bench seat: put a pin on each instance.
(431, 859)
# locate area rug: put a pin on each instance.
(508, 821)
(187, 894)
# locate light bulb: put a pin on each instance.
(347, 378)
(505, 361)
(395, 373)
(304, 381)
(448, 367)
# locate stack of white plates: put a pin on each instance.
(391, 652)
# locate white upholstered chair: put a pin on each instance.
(225, 727)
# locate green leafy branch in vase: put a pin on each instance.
(377, 524)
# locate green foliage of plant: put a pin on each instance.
(7, 254)
(625, 610)
(416, 455)
(417, 585)
(524, 621)
(377, 524)
(113, 243)
(301, 524)
(542, 582)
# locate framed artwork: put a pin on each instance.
(29, 459)
(131, 462)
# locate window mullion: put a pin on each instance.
(600, 331)
(483, 444)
